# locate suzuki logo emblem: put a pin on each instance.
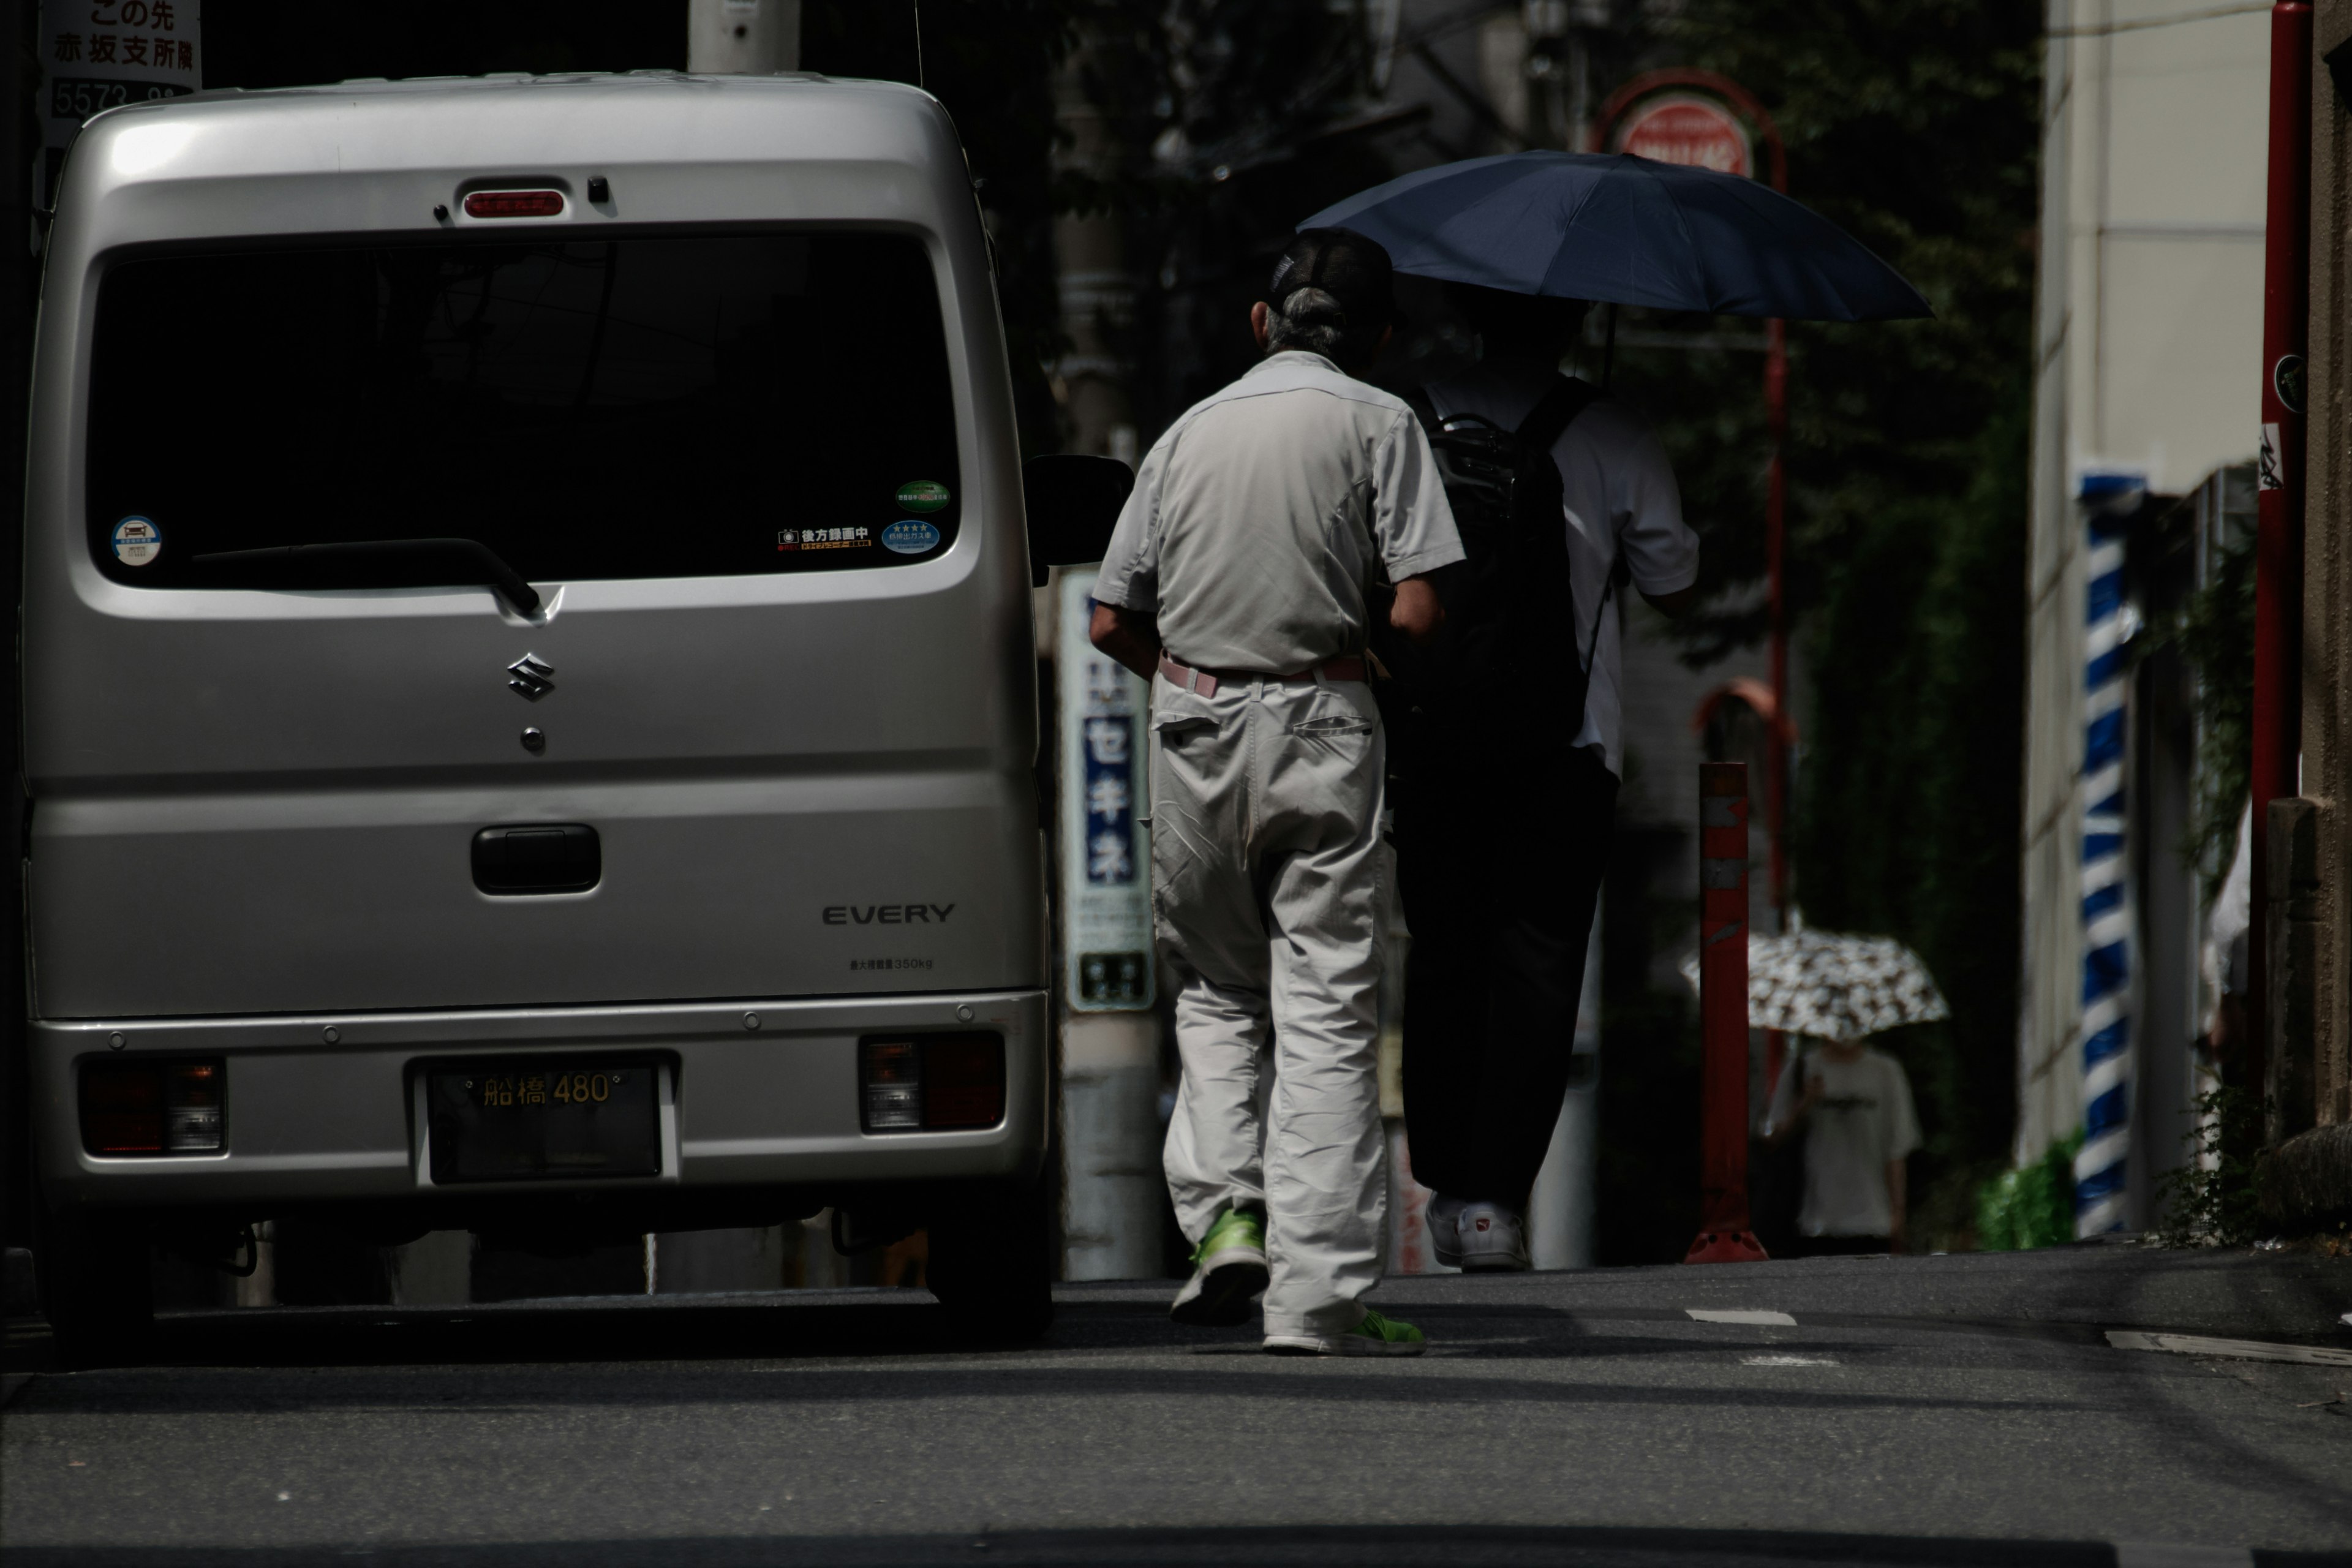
(533, 677)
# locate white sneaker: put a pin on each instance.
(1493, 1239)
(1443, 1218)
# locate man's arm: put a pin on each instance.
(1416, 612)
(1131, 636)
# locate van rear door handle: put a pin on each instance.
(538, 858)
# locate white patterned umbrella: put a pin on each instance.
(1834, 987)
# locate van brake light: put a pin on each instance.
(515, 204)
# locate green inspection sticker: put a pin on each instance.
(922, 495)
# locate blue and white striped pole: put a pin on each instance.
(2102, 1166)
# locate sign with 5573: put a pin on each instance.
(98, 54)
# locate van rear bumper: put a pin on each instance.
(314, 1119)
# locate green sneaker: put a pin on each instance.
(1374, 1335)
(1228, 1270)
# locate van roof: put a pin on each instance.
(872, 150)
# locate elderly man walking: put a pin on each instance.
(1238, 577)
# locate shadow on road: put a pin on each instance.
(1309, 1547)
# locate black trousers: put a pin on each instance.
(1499, 860)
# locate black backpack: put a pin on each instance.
(1509, 604)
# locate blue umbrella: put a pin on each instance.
(1627, 231)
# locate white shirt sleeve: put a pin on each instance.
(1658, 548)
(1130, 568)
(1411, 517)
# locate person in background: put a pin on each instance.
(1853, 1105)
(1237, 578)
(1508, 801)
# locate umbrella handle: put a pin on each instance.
(1609, 348)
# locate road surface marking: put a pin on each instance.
(1741, 1315)
(1786, 1361)
(2174, 1554)
(2236, 1350)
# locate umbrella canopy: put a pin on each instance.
(1834, 987)
(1627, 231)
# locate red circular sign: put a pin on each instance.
(1679, 129)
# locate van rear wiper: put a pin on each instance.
(378, 563)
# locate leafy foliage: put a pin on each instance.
(2033, 1206)
(2214, 632)
(1913, 123)
(1226, 123)
(2212, 1198)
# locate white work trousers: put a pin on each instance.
(1266, 875)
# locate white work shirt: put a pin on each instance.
(1258, 518)
(1862, 1123)
(1619, 493)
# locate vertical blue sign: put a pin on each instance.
(1106, 842)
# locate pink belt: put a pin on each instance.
(1204, 682)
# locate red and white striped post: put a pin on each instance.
(1725, 1235)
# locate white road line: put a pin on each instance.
(2235, 1350)
(2174, 1554)
(1786, 1361)
(1741, 1315)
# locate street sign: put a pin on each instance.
(1683, 128)
(100, 54)
(1106, 880)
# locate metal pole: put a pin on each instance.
(1776, 744)
(1725, 1234)
(742, 37)
(2278, 530)
(1776, 411)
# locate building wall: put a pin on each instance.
(2148, 356)
(2327, 564)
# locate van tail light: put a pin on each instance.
(154, 1108)
(932, 1081)
(515, 204)
(891, 1074)
(192, 1107)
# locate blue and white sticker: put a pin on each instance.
(910, 536)
(137, 541)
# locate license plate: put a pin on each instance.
(544, 1119)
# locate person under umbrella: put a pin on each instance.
(1560, 493)
(1496, 962)
(1851, 1103)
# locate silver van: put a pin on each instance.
(530, 699)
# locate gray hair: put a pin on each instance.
(1309, 320)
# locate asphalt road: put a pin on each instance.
(1959, 1410)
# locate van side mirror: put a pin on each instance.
(1074, 503)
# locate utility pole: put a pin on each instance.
(2277, 718)
(1097, 291)
(742, 37)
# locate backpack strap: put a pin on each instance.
(1540, 431)
(1555, 411)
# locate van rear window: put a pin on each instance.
(648, 407)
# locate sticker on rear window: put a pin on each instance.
(825, 539)
(909, 536)
(922, 495)
(137, 541)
